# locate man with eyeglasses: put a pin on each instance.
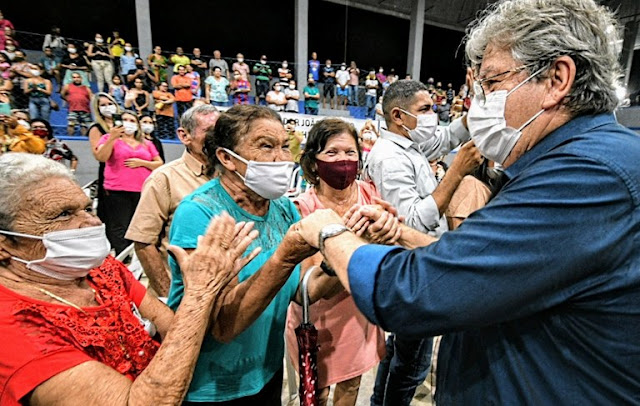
(538, 293)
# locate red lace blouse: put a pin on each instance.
(41, 339)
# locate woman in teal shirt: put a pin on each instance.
(241, 360)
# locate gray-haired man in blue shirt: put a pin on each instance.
(538, 293)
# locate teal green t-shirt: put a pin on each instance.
(245, 365)
(312, 91)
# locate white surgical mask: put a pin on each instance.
(34, 72)
(72, 50)
(284, 65)
(277, 88)
(240, 60)
(128, 49)
(108, 110)
(292, 86)
(99, 40)
(147, 128)
(369, 136)
(426, 127)
(25, 124)
(488, 127)
(71, 254)
(268, 179)
(129, 127)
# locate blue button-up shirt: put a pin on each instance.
(538, 293)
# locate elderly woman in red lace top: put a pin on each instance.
(76, 327)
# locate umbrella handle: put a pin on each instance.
(305, 294)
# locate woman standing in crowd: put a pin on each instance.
(158, 64)
(240, 89)
(104, 107)
(368, 137)
(349, 344)
(217, 88)
(164, 111)
(129, 159)
(149, 130)
(81, 330)
(101, 58)
(137, 98)
(75, 62)
(195, 81)
(56, 149)
(128, 59)
(276, 98)
(118, 90)
(39, 90)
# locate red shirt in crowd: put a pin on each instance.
(42, 339)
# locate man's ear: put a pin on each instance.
(396, 116)
(225, 159)
(562, 74)
(183, 136)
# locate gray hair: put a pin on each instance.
(539, 31)
(400, 94)
(19, 171)
(188, 120)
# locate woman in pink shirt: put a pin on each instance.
(129, 159)
(349, 344)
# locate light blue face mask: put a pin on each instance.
(71, 254)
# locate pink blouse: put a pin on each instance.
(117, 176)
(349, 344)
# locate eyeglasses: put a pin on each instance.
(478, 85)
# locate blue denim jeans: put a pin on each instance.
(39, 107)
(404, 368)
(371, 106)
(353, 95)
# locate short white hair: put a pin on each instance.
(19, 171)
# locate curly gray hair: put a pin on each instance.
(539, 31)
(19, 171)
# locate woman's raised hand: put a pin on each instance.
(218, 258)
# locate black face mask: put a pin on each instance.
(140, 66)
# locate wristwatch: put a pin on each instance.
(328, 231)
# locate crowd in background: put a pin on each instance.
(166, 84)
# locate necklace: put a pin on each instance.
(65, 301)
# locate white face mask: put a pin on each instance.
(292, 86)
(147, 128)
(72, 50)
(426, 127)
(240, 60)
(71, 254)
(11, 48)
(108, 110)
(35, 72)
(129, 128)
(284, 65)
(25, 124)
(277, 88)
(128, 49)
(488, 127)
(99, 40)
(369, 136)
(268, 179)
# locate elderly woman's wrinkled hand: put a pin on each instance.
(217, 259)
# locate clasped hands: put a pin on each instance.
(378, 223)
